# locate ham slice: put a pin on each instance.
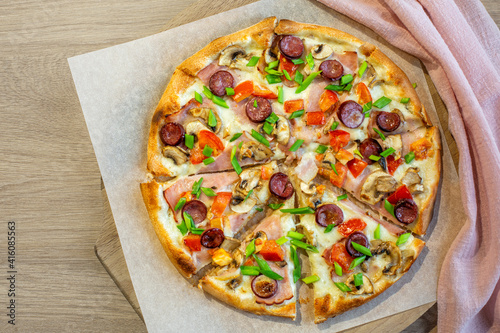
(201, 258)
(284, 291)
(349, 60)
(207, 72)
(316, 88)
(271, 225)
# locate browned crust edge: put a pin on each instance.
(325, 307)
(182, 261)
(232, 298)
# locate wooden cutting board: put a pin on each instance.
(109, 251)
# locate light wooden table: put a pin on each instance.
(50, 182)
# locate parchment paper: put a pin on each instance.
(119, 88)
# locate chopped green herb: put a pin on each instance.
(207, 151)
(342, 286)
(376, 233)
(367, 107)
(296, 114)
(230, 91)
(235, 137)
(329, 228)
(273, 71)
(403, 238)
(196, 187)
(381, 102)
(273, 118)
(220, 102)
(414, 85)
(280, 95)
(310, 60)
(188, 220)
(258, 209)
(250, 248)
(346, 79)
(358, 153)
(268, 128)
(389, 207)
(304, 246)
(273, 64)
(297, 61)
(265, 269)
(338, 269)
(248, 195)
(281, 240)
(197, 231)
(180, 203)
(299, 78)
(212, 121)
(358, 279)
(334, 87)
(295, 235)
(259, 137)
(182, 228)
(409, 157)
(362, 68)
(374, 158)
(255, 103)
(252, 62)
(207, 92)
(367, 114)
(272, 79)
(310, 279)
(234, 161)
(301, 210)
(342, 197)
(307, 82)
(287, 75)
(208, 161)
(249, 270)
(357, 261)
(361, 248)
(335, 124)
(388, 151)
(347, 87)
(296, 145)
(198, 97)
(382, 136)
(334, 168)
(276, 206)
(189, 141)
(296, 264)
(405, 100)
(321, 149)
(208, 192)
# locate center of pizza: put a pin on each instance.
(291, 137)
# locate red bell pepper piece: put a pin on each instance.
(393, 164)
(271, 251)
(339, 254)
(294, 105)
(212, 140)
(220, 203)
(363, 93)
(316, 118)
(243, 90)
(338, 179)
(356, 166)
(327, 100)
(339, 139)
(401, 193)
(262, 92)
(193, 242)
(348, 227)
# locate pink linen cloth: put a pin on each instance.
(459, 44)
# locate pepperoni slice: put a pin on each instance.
(280, 186)
(212, 238)
(261, 112)
(172, 134)
(350, 114)
(369, 147)
(329, 214)
(291, 46)
(196, 209)
(356, 237)
(388, 121)
(264, 287)
(331, 69)
(219, 81)
(406, 211)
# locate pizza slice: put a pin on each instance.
(358, 256)
(197, 215)
(259, 279)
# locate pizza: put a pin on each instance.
(288, 138)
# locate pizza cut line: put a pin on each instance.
(288, 137)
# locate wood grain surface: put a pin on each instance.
(50, 180)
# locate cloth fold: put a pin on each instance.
(459, 44)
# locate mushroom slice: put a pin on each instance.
(416, 189)
(283, 130)
(204, 113)
(244, 206)
(386, 184)
(389, 254)
(321, 51)
(365, 288)
(235, 283)
(255, 150)
(395, 142)
(328, 159)
(260, 238)
(230, 55)
(369, 193)
(229, 244)
(250, 179)
(408, 257)
(174, 154)
(195, 127)
(411, 177)
(308, 189)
